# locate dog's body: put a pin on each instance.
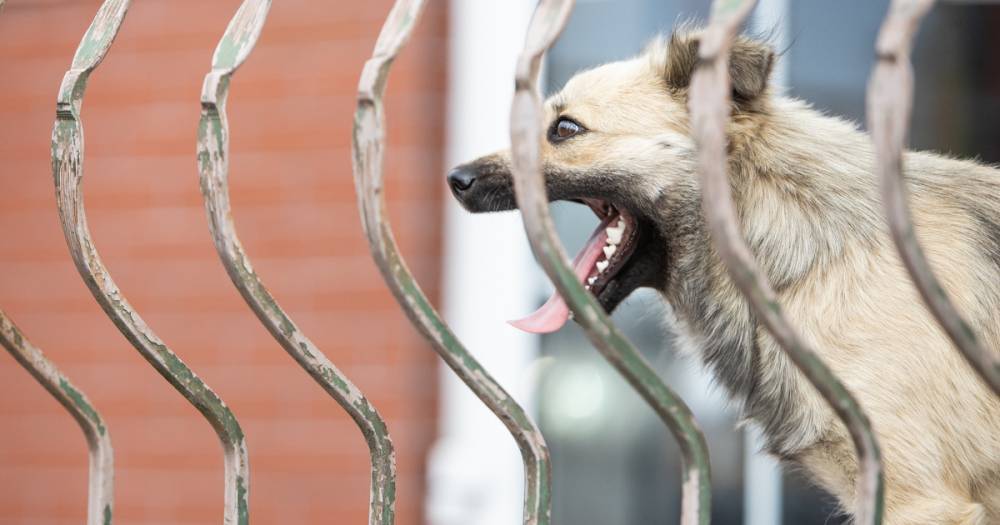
(806, 192)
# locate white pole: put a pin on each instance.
(475, 475)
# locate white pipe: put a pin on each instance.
(475, 475)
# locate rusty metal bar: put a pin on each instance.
(890, 100)
(67, 168)
(709, 107)
(213, 160)
(526, 132)
(100, 498)
(368, 147)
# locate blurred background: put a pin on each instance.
(293, 199)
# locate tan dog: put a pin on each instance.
(619, 141)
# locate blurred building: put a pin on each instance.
(294, 205)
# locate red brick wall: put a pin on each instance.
(290, 111)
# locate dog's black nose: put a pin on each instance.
(461, 179)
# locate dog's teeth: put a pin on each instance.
(609, 250)
(614, 235)
(591, 281)
(602, 265)
(571, 315)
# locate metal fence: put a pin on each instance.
(889, 99)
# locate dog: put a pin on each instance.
(619, 140)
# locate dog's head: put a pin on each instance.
(618, 141)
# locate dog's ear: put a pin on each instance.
(750, 64)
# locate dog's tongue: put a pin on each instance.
(555, 312)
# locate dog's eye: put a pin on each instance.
(563, 129)
(566, 129)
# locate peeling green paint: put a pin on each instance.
(82, 403)
(213, 146)
(241, 495)
(101, 493)
(367, 149)
(67, 155)
(706, 97)
(549, 19)
(724, 8)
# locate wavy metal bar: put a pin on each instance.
(100, 499)
(890, 100)
(67, 168)
(213, 159)
(368, 145)
(709, 106)
(526, 117)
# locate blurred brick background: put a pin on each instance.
(293, 200)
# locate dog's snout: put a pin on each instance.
(461, 179)
(482, 185)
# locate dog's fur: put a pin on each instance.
(806, 191)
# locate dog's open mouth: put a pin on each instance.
(596, 266)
